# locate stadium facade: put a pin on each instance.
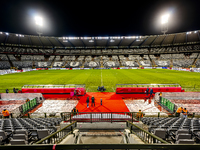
(170, 50)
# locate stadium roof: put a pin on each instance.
(19, 40)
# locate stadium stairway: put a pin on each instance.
(111, 102)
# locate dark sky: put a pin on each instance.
(99, 18)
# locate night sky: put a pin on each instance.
(99, 18)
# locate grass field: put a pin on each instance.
(94, 78)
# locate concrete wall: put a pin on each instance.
(20, 96)
(182, 95)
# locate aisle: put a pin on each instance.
(111, 103)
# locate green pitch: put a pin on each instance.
(190, 81)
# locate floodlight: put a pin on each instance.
(91, 40)
(112, 40)
(38, 21)
(164, 23)
(39, 24)
(7, 33)
(164, 19)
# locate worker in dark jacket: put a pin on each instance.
(93, 101)
(7, 91)
(151, 93)
(88, 101)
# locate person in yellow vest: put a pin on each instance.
(75, 111)
(139, 115)
(179, 110)
(27, 100)
(6, 113)
(185, 113)
(160, 95)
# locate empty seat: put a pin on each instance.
(20, 136)
(185, 141)
(34, 133)
(43, 133)
(186, 131)
(3, 134)
(160, 133)
(21, 132)
(18, 142)
(183, 136)
(1, 139)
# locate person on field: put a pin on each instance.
(139, 115)
(147, 91)
(93, 101)
(151, 93)
(14, 90)
(88, 101)
(185, 113)
(7, 91)
(179, 110)
(6, 113)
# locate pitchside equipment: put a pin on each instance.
(139, 90)
(59, 91)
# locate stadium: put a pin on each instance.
(100, 92)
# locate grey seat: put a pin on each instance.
(20, 136)
(186, 131)
(34, 133)
(3, 134)
(185, 141)
(21, 132)
(160, 133)
(1, 139)
(18, 142)
(43, 133)
(183, 136)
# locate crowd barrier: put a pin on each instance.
(167, 104)
(28, 105)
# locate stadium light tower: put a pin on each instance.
(39, 24)
(164, 23)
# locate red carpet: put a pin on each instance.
(111, 103)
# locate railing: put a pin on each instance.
(148, 85)
(99, 116)
(102, 146)
(55, 86)
(144, 135)
(95, 116)
(59, 135)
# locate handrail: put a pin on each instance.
(148, 133)
(51, 136)
(102, 146)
